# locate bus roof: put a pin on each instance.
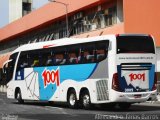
(61, 42)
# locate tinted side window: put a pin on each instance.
(46, 57)
(59, 56)
(29, 59)
(74, 56)
(91, 52)
(88, 51)
(34, 58)
(101, 50)
(23, 60)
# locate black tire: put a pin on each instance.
(124, 106)
(72, 99)
(19, 97)
(85, 100)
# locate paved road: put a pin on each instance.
(10, 110)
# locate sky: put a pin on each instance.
(4, 10)
(39, 3)
(4, 13)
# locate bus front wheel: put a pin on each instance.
(72, 99)
(19, 97)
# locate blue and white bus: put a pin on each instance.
(117, 69)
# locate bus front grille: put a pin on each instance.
(102, 90)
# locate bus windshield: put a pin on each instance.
(135, 44)
(11, 65)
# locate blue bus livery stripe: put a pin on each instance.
(77, 73)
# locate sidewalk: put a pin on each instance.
(156, 101)
(3, 88)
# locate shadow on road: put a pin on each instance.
(106, 107)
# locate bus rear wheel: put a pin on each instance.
(85, 100)
(19, 97)
(72, 99)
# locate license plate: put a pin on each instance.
(137, 96)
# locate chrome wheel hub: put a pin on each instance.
(72, 99)
(86, 100)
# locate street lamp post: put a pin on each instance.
(66, 5)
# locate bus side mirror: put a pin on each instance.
(5, 68)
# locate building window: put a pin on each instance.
(26, 8)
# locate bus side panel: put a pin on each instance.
(91, 83)
(52, 83)
(10, 90)
(27, 81)
(51, 78)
